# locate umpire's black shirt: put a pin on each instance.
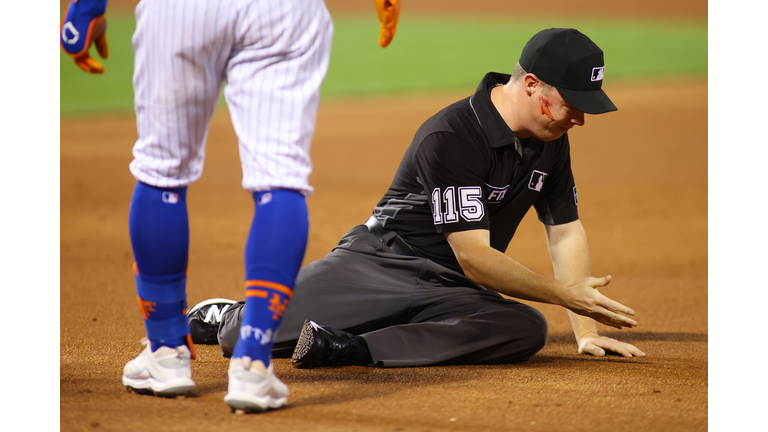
(465, 169)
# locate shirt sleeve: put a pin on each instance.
(452, 174)
(558, 204)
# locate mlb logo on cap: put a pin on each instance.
(170, 197)
(597, 73)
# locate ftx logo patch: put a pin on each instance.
(494, 194)
(597, 73)
(537, 180)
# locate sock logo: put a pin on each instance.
(147, 307)
(277, 305)
(264, 337)
(170, 197)
(266, 198)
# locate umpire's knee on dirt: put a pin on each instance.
(534, 340)
(523, 333)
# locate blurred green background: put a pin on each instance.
(427, 55)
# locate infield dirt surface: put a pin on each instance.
(642, 179)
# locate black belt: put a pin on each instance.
(389, 238)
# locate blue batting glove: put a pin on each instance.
(84, 24)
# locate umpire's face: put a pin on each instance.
(551, 114)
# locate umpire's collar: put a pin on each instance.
(495, 128)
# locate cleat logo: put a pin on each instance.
(277, 305)
(265, 337)
(73, 35)
(214, 314)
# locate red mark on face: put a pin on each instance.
(545, 104)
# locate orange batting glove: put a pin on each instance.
(389, 12)
(82, 26)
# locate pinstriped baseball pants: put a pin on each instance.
(273, 55)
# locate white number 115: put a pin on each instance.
(470, 206)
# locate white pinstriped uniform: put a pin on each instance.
(273, 55)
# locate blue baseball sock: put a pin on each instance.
(273, 256)
(159, 230)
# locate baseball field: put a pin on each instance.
(643, 196)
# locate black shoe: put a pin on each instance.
(204, 319)
(318, 346)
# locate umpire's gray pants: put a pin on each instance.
(410, 310)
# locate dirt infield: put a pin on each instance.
(642, 179)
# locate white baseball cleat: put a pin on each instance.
(165, 372)
(254, 387)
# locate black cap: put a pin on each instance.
(569, 61)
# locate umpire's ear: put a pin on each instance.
(531, 82)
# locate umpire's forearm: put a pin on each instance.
(498, 271)
(569, 252)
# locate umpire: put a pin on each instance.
(418, 284)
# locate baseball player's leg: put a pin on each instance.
(181, 52)
(273, 256)
(273, 90)
(273, 81)
(159, 217)
(177, 79)
(159, 232)
(274, 253)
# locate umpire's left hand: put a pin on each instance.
(597, 346)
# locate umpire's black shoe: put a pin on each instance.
(204, 319)
(319, 346)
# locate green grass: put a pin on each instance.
(427, 55)
(83, 93)
(436, 54)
